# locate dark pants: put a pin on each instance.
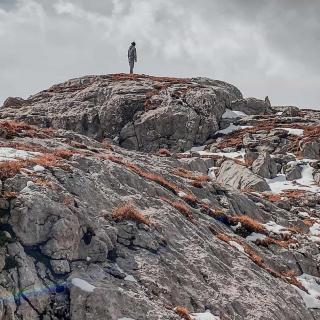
(131, 64)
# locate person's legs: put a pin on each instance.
(131, 63)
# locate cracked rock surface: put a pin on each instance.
(92, 230)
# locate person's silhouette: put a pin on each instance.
(132, 56)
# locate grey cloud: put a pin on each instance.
(265, 47)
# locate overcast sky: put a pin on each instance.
(264, 47)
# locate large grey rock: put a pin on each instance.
(293, 171)
(240, 177)
(142, 112)
(251, 106)
(265, 166)
(310, 149)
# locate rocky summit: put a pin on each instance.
(146, 198)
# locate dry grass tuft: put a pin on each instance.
(181, 172)
(196, 184)
(127, 211)
(163, 153)
(145, 174)
(250, 224)
(9, 169)
(254, 257)
(12, 128)
(9, 195)
(63, 153)
(182, 312)
(45, 183)
(68, 201)
(181, 207)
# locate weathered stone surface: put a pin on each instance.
(142, 112)
(311, 149)
(239, 177)
(293, 171)
(68, 250)
(291, 112)
(251, 106)
(265, 166)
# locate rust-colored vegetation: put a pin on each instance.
(12, 128)
(145, 174)
(182, 312)
(9, 169)
(127, 211)
(254, 257)
(250, 224)
(181, 207)
(163, 153)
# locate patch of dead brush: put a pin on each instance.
(127, 211)
(180, 206)
(182, 312)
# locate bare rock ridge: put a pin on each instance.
(141, 112)
(217, 217)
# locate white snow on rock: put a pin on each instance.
(38, 168)
(312, 284)
(279, 183)
(211, 172)
(11, 154)
(255, 236)
(230, 155)
(83, 285)
(275, 228)
(231, 114)
(303, 214)
(130, 278)
(309, 300)
(199, 148)
(315, 229)
(27, 189)
(237, 246)
(232, 128)
(204, 316)
(295, 132)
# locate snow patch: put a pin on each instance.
(279, 183)
(295, 132)
(232, 114)
(232, 128)
(315, 229)
(204, 316)
(199, 148)
(312, 284)
(38, 168)
(130, 278)
(255, 236)
(237, 245)
(83, 285)
(11, 154)
(275, 228)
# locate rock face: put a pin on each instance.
(311, 149)
(141, 112)
(239, 177)
(264, 166)
(92, 230)
(252, 106)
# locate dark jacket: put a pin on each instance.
(132, 54)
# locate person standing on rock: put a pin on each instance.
(132, 56)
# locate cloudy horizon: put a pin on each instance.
(263, 47)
